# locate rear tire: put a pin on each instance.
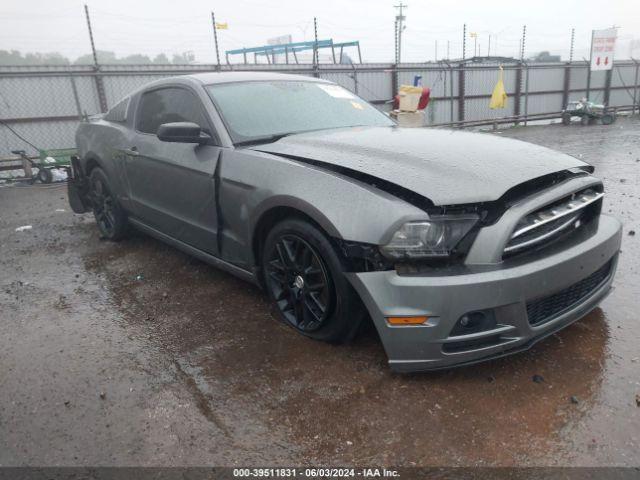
(607, 119)
(305, 281)
(109, 215)
(45, 175)
(566, 119)
(584, 120)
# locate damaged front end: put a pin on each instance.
(536, 260)
(362, 257)
(444, 239)
(78, 187)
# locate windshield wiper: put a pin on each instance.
(265, 139)
(275, 137)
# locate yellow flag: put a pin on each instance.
(499, 96)
(222, 26)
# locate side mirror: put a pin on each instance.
(181, 132)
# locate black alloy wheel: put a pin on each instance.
(304, 276)
(299, 283)
(109, 216)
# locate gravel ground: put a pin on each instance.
(136, 354)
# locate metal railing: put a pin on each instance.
(43, 104)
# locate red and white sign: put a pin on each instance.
(603, 45)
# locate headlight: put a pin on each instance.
(435, 237)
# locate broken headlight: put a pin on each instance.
(432, 238)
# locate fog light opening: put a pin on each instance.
(474, 322)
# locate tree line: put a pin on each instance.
(15, 57)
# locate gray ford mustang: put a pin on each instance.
(459, 246)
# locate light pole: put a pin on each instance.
(474, 35)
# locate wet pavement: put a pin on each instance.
(133, 353)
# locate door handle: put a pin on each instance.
(133, 151)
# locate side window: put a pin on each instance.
(168, 105)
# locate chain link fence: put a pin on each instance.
(40, 107)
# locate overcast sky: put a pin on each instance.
(151, 27)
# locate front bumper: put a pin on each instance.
(504, 289)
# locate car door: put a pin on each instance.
(172, 188)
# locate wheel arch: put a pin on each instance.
(275, 211)
(346, 299)
(91, 161)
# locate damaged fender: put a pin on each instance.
(362, 212)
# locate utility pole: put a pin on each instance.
(519, 79)
(395, 40)
(315, 45)
(489, 47)
(215, 38)
(589, 68)
(400, 18)
(464, 41)
(436, 52)
(448, 50)
(394, 73)
(102, 98)
(520, 47)
(93, 45)
(315, 41)
(573, 36)
(461, 77)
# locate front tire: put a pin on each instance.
(305, 281)
(109, 215)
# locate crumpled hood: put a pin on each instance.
(446, 166)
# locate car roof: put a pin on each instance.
(227, 77)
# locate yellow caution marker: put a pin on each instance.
(401, 321)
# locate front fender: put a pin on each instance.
(294, 203)
(252, 183)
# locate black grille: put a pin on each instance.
(544, 309)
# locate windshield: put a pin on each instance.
(265, 110)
